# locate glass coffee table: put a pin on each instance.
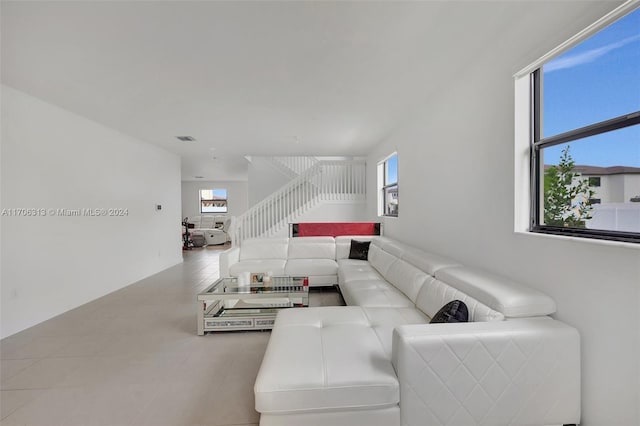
(228, 305)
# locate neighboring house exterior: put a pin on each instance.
(617, 184)
(616, 198)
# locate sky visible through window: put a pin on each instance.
(220, 193)
(596, 80)
(392, 170)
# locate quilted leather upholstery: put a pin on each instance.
(519, 372)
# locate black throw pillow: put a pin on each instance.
(359, 250)
(455, 311)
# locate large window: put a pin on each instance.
(213, 201)
(585, 138)
(388, 186)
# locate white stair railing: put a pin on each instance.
(327, 180)
(293, 166)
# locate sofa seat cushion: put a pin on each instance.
(324, 359)
(307, 267)
(344, 263)
(374, 293)
(384, 320)
(357, 272)
(275, 266)
(378, 284)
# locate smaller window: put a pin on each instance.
(595, 201)
(594, 181)
(213, 201)
(388, 193)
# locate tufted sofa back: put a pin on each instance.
(511, 298)
(312, 248)
(431, 281)
(435, 294)
(264, 248)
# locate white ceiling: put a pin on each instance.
(265, 78)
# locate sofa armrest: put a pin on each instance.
(228, 258)
(518, 372)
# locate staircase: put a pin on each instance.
(341, 180)
(292, 167)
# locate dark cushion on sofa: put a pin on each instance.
(455, 311)
(359, 250)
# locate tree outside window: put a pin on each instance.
(567, 196)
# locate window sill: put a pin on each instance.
(569, 238)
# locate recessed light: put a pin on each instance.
(186, 138)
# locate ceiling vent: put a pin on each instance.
(186, 138)
(199, 177)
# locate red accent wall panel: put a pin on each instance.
(334, 229)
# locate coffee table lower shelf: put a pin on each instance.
(241, 319)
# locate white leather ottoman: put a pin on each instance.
(323, 360)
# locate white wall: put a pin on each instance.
(264, 179)
(54, 159)
(236, 196)
(456, 190)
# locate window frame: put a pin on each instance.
(200, 199)
(384, 186)
(537, 144)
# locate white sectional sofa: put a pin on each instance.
(379, 362)
(315, 257)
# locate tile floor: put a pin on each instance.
(133, 358)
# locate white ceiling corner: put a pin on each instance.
(265, 77)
